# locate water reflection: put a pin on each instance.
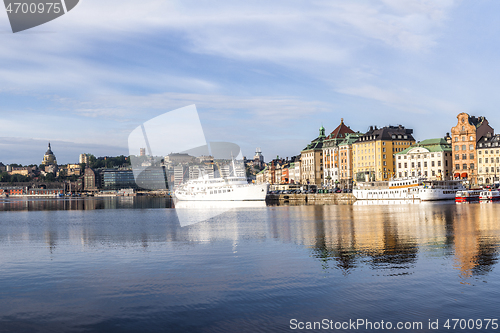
(388, 239)
(89, 203)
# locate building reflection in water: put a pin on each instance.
(390, 237)
(75, 203)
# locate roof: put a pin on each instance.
(433, 145)
(340, 132)
(350, 139)
(387, 133)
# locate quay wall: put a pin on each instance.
(311, 199)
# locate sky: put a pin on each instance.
(261, 74)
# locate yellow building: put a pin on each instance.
(373, 152)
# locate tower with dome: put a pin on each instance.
(49, 158)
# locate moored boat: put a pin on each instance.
(489, 195)
(440, 189)
(398, 189)
(467, 195)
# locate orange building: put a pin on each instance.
(465, 136)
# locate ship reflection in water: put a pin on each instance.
(131, 264)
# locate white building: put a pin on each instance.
(431, 159)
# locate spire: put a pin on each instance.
(49, 144)
(341, 120)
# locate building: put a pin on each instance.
(331, 153)
(114, 179)
(373, 152)
(83, 158)
(176, 158)
(311, 158)
(488, 159)
(91, 180)
(258, 159)
(431, 159)
(142, 152)
(346, 172)
(465, 136)
(49, 158)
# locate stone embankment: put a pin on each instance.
(311, 199)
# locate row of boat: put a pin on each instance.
(423, 190)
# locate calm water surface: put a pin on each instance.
(127, 265)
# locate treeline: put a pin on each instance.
(107, 162)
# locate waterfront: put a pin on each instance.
(126, 265)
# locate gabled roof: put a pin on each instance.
(340, 132)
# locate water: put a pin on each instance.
(126, 265)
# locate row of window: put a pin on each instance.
(464, 156)
(412, 156)
(464, 138)
(419, 164)
(464, 147)
(487, 169)
(491, 160)
(464, 166)
(413, 173)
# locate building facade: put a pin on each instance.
(431, 159)
(311, 161)
(373, 152)
(331, 173)
(488, 159)
(346, 172)
(465, 136)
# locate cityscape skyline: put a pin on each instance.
(261, 74)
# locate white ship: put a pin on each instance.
(221, 189)
(408, 189)
(440, 189)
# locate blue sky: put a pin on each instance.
(262, 74)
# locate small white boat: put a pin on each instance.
(489, 195)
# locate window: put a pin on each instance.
(383, 149)
(399, 165)
(456, 139)
(383, 156)
(419, 165)
(463, 138)
(456, 148)
(463, 147)
(406, 165)
(486, 169)
(472, 166)
(463, 128)
(486, 160)
(457, 157)
(464, 156)
(439, 163)
(433, 173)
(457, 166)
(412, 164)
(464, 166)
(432, 164)
(471, 138)
(385, 163)
(471, 147)
(425, 164)
(425, 173)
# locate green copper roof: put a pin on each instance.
(433, 145)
